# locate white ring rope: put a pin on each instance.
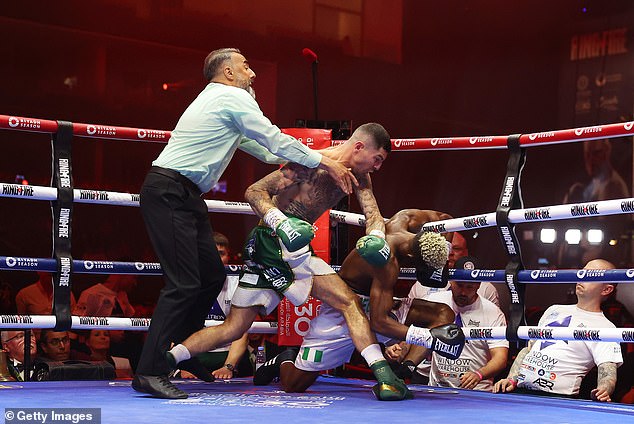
(619, 335)
(108, 323)
(516, 216)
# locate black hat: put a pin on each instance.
(467, 262)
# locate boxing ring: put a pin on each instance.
(335, 398)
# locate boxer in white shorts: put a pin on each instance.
(327, 343)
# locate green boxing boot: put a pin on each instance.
(389, 386)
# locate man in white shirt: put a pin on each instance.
(458, 250)
(482, 303)
(481, 360)
(556, 367)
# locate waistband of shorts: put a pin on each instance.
(177, 176)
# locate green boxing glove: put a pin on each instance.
(374, 249)
(293, 232)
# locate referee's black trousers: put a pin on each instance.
(178, 224)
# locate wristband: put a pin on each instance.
(230, 367)
(479, 374)
(419, 336)
(513, 382)
(377, 233)
(273, 217)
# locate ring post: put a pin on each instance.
(511, 198)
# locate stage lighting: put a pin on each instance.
(548, 235)
(573, 236)
(595, 236)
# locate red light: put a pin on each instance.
(165, 86)
(25, 182)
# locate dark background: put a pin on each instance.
(421, 68)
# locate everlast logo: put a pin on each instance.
(17, 319)
(64, 172)
(93, 195)
(434, 228)
(481, 333)
(627, 206)
(628, 336)
(538, 333)
(508, 240)
(385, 251)
(586, 335)
(537, 214)
(476, 221)
(508, 191)
(440, 346)
(583, 210)
(292, 233)
(64, 275)
(64, 218)
(140, 322)
(17, 190)
(93, 321)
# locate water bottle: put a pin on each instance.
(260, 357)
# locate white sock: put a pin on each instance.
(372, 354)
(180, 353)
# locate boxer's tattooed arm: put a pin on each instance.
(606, 376)
(260, 194)
(373, 218)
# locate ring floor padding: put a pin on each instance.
(330, 399)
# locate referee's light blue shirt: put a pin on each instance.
(220, 120)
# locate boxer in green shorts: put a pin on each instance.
(289, 200)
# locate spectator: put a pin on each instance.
(552, 367)
(110, 299)
(458, 250)
(54, 345)
(476, 353)
(229, 360)
(481, 360)
(7, 299)
(13, 343)
(37, 298)
(98, 343)
(604, 183)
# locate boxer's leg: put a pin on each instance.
(233, 327)
(332, 290)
